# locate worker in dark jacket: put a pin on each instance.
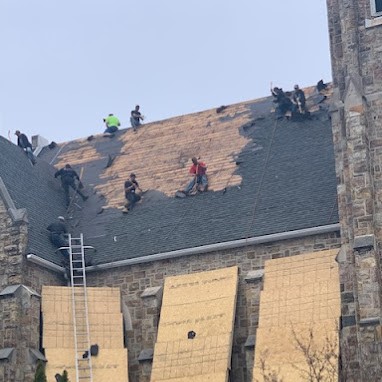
(23, 143)
(68, 179)
(132, 197)
(58, 231)
(284, 103)
(58, 235)
(136, 118)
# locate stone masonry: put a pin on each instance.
(356, 51)
(19, 309)
(144, 308)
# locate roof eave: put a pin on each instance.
(197, 250)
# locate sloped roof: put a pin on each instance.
(265, 177)
(33, 188)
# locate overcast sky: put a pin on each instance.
(66, 64)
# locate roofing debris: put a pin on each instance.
(298, 191)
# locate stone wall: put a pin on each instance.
(143, 311)
(13, 242)
(356, 50)
(19, 309)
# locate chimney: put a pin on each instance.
(38, 143)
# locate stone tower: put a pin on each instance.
(355, 28)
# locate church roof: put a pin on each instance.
(32, 188)
(265, 177)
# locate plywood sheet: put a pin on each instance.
(203, 303)
(106, 330)
(300, 298)
(109, 365)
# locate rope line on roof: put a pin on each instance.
(58, 153)
(257, 196)
(259, 189)
(178, 221)
(186, 211)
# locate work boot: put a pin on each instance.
(180, 194)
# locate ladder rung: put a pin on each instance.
(80, 312)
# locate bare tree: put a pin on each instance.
(267, 373)
(321, 359)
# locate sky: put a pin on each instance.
(66, 64)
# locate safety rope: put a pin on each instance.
(259, 189)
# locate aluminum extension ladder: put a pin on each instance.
(83, 360)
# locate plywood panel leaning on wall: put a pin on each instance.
(297, 337)
(106, 330)
(196, 326)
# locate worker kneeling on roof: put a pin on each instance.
(58, 234)
(112, 123)
(199, 182)
(131, 188)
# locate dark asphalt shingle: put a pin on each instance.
(33, 188)
(298, 191)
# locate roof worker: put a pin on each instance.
(23, 143)
(68, 178)
(284, 103)
(112, 123)
(58, 235)
(199, 182)
(136, 118)
(299, 99)
(132, 197)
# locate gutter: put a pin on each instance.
(45, 263)
(198, 250)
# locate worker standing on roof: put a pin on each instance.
(23, 142)
(299, 99)
(136, 118)
(112, 123)
(199, 182)
(131, 188)
(58, 232)
(68, 179)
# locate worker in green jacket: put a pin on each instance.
(112, 124)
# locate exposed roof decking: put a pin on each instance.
(294, 161)
(159, 153)
(298, 189)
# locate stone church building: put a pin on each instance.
(224, 285)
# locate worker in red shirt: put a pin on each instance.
(199, 177)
